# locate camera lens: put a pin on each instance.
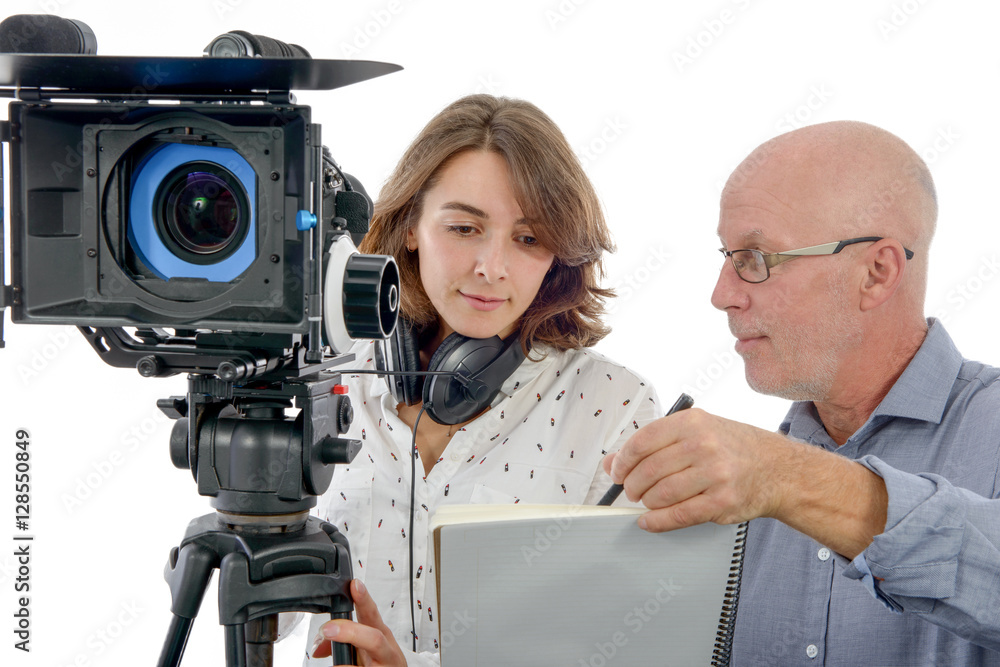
(202, 212)
(192, 212)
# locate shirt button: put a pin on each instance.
(812, 651)
(454, 457)
(824, 555)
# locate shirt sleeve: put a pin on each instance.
(939, 555)
(648, 409)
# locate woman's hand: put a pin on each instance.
(370, 636)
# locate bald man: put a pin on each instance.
(875, 526)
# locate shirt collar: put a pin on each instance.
(921, 392)
(529, 369)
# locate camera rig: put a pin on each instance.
(185, 216)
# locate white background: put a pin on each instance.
(658, 134)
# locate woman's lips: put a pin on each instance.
(484, 303)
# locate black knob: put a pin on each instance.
(345, 415)
(338, 450)
(149, 366)
(179, 452)
(371, 296)
(230, 371)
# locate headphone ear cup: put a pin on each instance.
(401, 353)
(440, 355)
(477, 369)
(436, 388)
(407, 350)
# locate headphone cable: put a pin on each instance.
(413, 486)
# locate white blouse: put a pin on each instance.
(541, 442)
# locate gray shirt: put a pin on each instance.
(927, 590)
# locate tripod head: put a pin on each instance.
(262, 470)
(247, 455)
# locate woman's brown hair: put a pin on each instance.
(553, 192)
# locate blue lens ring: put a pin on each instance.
(142, 227)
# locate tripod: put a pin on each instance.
(263, 471)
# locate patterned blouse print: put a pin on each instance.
(541, 442)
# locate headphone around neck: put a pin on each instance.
(478, 368)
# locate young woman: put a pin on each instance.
(497, 232)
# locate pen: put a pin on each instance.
(683, 403)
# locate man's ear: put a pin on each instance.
(885, 262)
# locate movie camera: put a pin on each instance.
(184, 214)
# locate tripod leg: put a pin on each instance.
(343, 654)
(236, 650)
(261, 634)
(187, 573)
(177, 636)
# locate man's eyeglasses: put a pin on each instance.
(753, 266)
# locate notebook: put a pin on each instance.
(582, 586)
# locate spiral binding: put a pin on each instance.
(730, 602)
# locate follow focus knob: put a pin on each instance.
(371, 295)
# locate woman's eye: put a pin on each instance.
(461, 230)
(529, 240)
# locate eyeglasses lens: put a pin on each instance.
(750, 265)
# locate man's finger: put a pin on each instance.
(677, 488)
(661, 465)
(651, 437)
(690, 512)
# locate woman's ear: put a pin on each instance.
(411, 240)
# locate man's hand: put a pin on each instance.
(373, 639)
(693, 467)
